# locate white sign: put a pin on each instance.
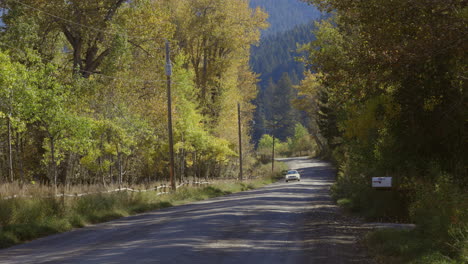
(381, 182)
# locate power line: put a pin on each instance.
(125, 79)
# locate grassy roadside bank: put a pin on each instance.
(440, 215)
(25, 219)
(390, 246)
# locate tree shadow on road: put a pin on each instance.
(281, 223)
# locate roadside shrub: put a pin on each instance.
(94, 204)
(440, 212)
(7, 239)
(23, 210)
(345, 203)
(434, 258)
(390, 246)
(26, 232)
(76, 220)
(355, 193)
(263, 170)
(397, 243)
(458, 241)
(8, 211)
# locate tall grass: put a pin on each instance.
(405, 246)
(39, 190)
(439, 209)
(24, 219)
(435, 202)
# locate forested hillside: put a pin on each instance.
(83, 88)
(286, 14)
(277, 54)
(275, 59)
(291, 24)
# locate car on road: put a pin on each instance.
(292, 175)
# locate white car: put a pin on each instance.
(292, 175)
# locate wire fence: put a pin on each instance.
(160, 190)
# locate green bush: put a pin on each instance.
(7, 239)
(8, 211)
(264, 171)
(345, 203)
(77, 220)
(459, 241)
(434, 258)
(22, 210)
(357, 195)
(440, 212)
(396, 243)
(403, 246)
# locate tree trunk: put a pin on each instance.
(68, 168)
(19, 158)
(110, 170)
(101, 170)
(119, 157)
(319, 143)
(72, 170)
(273, 156)
(54, 166)
(10, 149)
(183, 166)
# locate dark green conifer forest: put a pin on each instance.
(275, 57)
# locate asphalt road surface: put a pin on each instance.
(293, 222)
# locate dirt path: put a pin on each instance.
(292, 222)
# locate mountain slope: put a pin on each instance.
(276, 54)
(286, 14)
(291, 24)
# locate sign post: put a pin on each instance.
(382, 182)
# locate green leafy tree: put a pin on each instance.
(280, 114)
(418, 83)
(16, 106)
(301, 142)
(94, 103)
(215, 35)
(389, 99)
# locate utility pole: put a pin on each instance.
(273, 156)
(273, 125)
(169, 115)
(240, 140)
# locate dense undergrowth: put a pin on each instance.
(405, 246)
(438, 209)
(24, 219)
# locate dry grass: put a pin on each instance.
(35, 190)
(8, 190)
(40, 213)
(36, 211)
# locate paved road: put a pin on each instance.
(292, 222)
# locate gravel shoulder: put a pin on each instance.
(295, 222)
